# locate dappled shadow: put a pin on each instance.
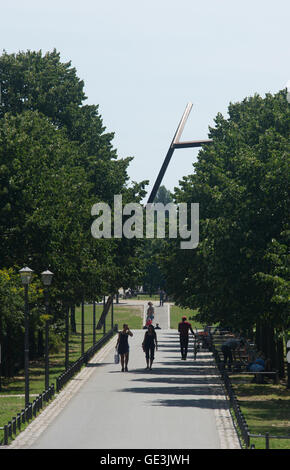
(246, 387)
(197, 390)
(10, 390)
(204, 403)
(164, 343)
(197, 402)
(170, 371)
(260, 411)
(199, 355)
(169, 334)
(179, 380)
(188, 363)
(169, 350)
(97, 364)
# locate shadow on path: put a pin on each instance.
(96, 364)
(193, 403)
(179, 380)
(169, 371)
(196, 390)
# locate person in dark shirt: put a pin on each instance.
(183, 329)
(149, 344)
(162, 297)
(123, 346)
(228, 349)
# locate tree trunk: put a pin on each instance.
(40, 345)
(265, 342)
(9, 352)
(280, 358)
(73, 319)
(271, 346)
(258, 339)
(32, 343)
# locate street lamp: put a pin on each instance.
(46, 278)
(288, 91)
(26, 275)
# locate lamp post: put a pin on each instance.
(46, 278)
(83, 328)
(67, 338)
(104, 306)
(26, 274)
(288, 363)
(94, 322)
(112, 313)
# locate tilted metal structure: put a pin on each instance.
(175, 144)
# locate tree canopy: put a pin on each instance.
(56, 161)
(238, 274)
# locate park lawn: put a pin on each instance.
(176, 314)
(146, 297)
(12, 404)
(266, 408)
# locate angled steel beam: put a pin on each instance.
(174, 145)
(191, 143)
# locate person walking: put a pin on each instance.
(149, 344)
(150, 311)
(123, 346)
(162, 293)
(183, 328)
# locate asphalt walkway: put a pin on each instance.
(177, 405)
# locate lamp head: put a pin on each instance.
(26, 275)
(46, 277)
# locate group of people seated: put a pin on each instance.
(240, 354)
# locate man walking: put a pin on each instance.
(183, 328)
(162, 297)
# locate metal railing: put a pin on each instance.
(84, 359)
(267, 438)
(240, 419)
(26, 415)
(14, 426)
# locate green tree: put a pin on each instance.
(56, 161)
(163, 195)
(241, 182)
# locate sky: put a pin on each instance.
(143, 61)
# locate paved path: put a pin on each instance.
(177, 405)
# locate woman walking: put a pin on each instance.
(123, 346)
(150, 311)
(149, 344)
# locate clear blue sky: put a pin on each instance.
(143, 61)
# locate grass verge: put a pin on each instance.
(266, 408)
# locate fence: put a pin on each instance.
(26, 414)
(241, 421)
(14, 426)
(84, 359)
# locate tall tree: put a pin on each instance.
(241, 182)
(56, 161)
